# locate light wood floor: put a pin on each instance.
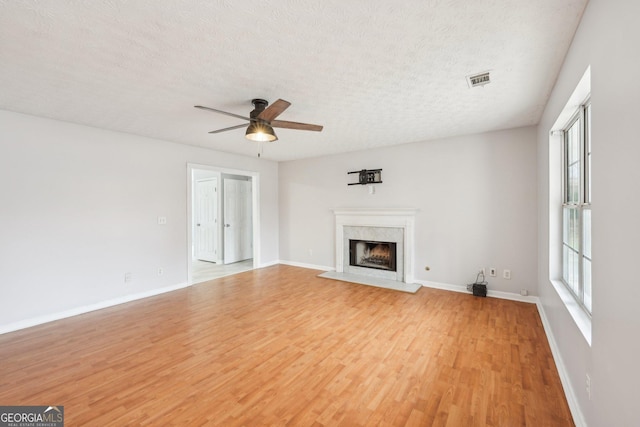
(279, 346)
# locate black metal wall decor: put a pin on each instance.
(367, 176)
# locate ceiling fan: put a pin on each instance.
(262, 120)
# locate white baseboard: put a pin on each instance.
(572, 400)
(443, 286)
(268, 264)
(513, 296)
(305, 265)
(495, 294)
(27, 323)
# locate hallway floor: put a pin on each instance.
(203, 271)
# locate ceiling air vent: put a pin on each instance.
(478, 79)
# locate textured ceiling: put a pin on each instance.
(373, 72)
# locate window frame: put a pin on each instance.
(583, 118)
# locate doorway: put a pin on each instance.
(223, 216)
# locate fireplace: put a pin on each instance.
(372, 254)
(374, 246)
(370, 225)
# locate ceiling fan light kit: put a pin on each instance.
(260, 132)
(262, 120)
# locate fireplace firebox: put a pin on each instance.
(370, 254)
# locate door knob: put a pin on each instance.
(198, 225)
(227, 225)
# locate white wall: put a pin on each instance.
(79, 209)
(476, 195)
(607, 40)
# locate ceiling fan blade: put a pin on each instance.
(295, 125)
(274, 110)
(244, 125)
(222, 112)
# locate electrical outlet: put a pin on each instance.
(160, 271)
(506, 274)
(524, 292)
(128, 277)
(162, 220)
(482, 270)
(492, 272)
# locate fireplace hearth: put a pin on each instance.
(372, 254)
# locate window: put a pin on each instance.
(576, 206)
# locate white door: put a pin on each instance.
(206, 220)
(238, 230)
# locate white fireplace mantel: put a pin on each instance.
(403, 218)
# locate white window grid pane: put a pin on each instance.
(588, 150)
(565, 225)
(588, 177)
(586, 233)
(573, 143)
(575, 265)
(586, 274)
(572, 228)
(573, 183)
(571, 268)
(565, 263)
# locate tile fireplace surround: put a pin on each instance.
(379, 224)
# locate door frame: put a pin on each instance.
(255, 201)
